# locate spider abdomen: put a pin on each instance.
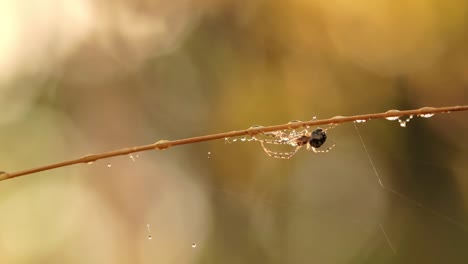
(318, 137)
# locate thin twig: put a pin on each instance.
(164, 144)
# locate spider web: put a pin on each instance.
(432, 217)
(314, 208)
(417, 201)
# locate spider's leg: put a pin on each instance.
(278, 135)
(321, 151)
(280, 155)
(274, 141)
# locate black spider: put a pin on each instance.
(317, 138)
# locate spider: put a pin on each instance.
(312, 140)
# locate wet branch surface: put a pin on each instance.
(252, 131)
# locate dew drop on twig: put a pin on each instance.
(337, 117)
(254, 130)
(392, 118)
(292, 122)
(427, 108)
(426, 115)
(161, 142)
(392, 111)
(3, 175)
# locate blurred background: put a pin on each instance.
(81, 76)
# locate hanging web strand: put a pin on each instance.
(406, 197)
(388, 239)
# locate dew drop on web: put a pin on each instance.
(194, 245)
(149, 232)
(109, 165)
(403, 123)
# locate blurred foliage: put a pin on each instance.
(82, 76)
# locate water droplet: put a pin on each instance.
(314, 118)
(426, 115)
(90, 162)
(337, 117)
(402, 123)
(209, 153)
(254, 130)
(194, 245)
(109, 165)
(3, 175)
(293, 122)
(407, 120)
(161, 142)
(149, 231)
(392, 118)
(131, 157)
(243, 139)
(234, 139)
(360, 121)
(427, 109)
(392, 111)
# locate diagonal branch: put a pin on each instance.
(164, 144)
